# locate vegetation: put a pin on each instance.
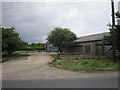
(17, 54)
(79, 57)
(6, 57)
(37, 46)
(86, 65)
(13, 47)
(11, 40)
(61, 38)
(118, 31)
(108, 39)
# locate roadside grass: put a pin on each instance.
(21, 52)
(15, 55)
(18, 54)
(79, 57)
(28, 51)
(6, 57)
(86, 65)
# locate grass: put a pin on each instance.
(18, 54)
(86, 65)
(29, 51)
(15, 55)
(6, 57)
(79, 57)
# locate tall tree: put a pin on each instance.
(61, 38)
(11, 40)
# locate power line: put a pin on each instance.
(9, 4)
(40, 5)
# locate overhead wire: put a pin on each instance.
(9, 4)
(38, 4)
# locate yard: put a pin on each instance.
(75, 63)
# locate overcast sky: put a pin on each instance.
(35, 20)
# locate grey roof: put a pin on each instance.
(93, 37)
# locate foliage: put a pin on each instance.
(61, 38)
(109, 38)
(117, 14)
(11, 40)
(85, 65)
(118, 37)
(36, 45)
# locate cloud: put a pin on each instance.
(58, 1)
(34, 22)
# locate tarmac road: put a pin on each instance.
(101, 82)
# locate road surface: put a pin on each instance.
(100, 82)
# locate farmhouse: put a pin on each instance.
(87, 45)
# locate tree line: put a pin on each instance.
(12, 42)
(36, 46)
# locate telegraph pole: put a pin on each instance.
(113, 32)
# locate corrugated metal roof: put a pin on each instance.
(93, 37)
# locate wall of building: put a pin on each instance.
(90, 48)
(74, 50)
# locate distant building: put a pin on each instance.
(50, 48)
(90, 45)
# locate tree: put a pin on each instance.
(117, 34)
(61, 38)
(36, 46)
(11, 40)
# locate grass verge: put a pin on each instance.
(86, 65)
(14, 56)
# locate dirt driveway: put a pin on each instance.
(36, 67)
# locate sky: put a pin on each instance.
(35, 20)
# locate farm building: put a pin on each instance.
(86, 45)
(91, 45)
